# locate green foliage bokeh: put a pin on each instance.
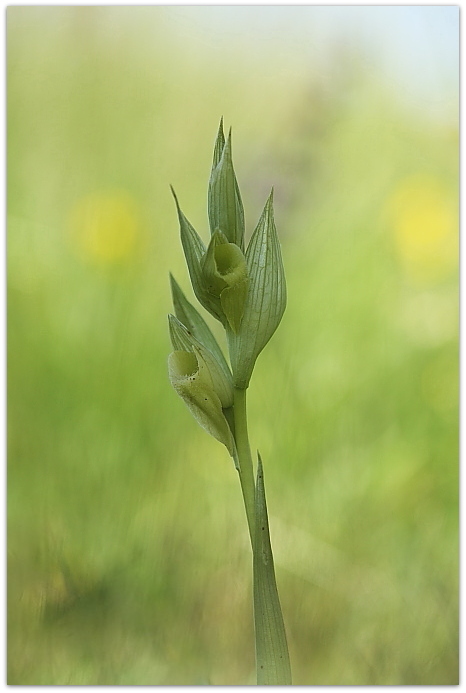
(128, 557)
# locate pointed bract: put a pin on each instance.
(194, 251)
(219, 145)
(266, 298)
(272, 659)
(225, 206)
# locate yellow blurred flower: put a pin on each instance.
(424, 222)
(106, 226)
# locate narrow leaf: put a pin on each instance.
(225, 206)
(195, 323)
(272, 658)
(266, 298)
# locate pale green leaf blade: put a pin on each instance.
(272, 658)
(195, 323)
(266, 298)
(225, 206)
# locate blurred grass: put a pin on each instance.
(128, 555)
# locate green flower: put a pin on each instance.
(225, 275)
(192, 380)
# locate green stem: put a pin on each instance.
(246, 473)
(272, 658)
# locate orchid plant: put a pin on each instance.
(245, 290)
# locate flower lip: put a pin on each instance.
(183, 364)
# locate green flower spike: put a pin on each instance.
(246, 291)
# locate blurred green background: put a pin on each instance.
(128, 556)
